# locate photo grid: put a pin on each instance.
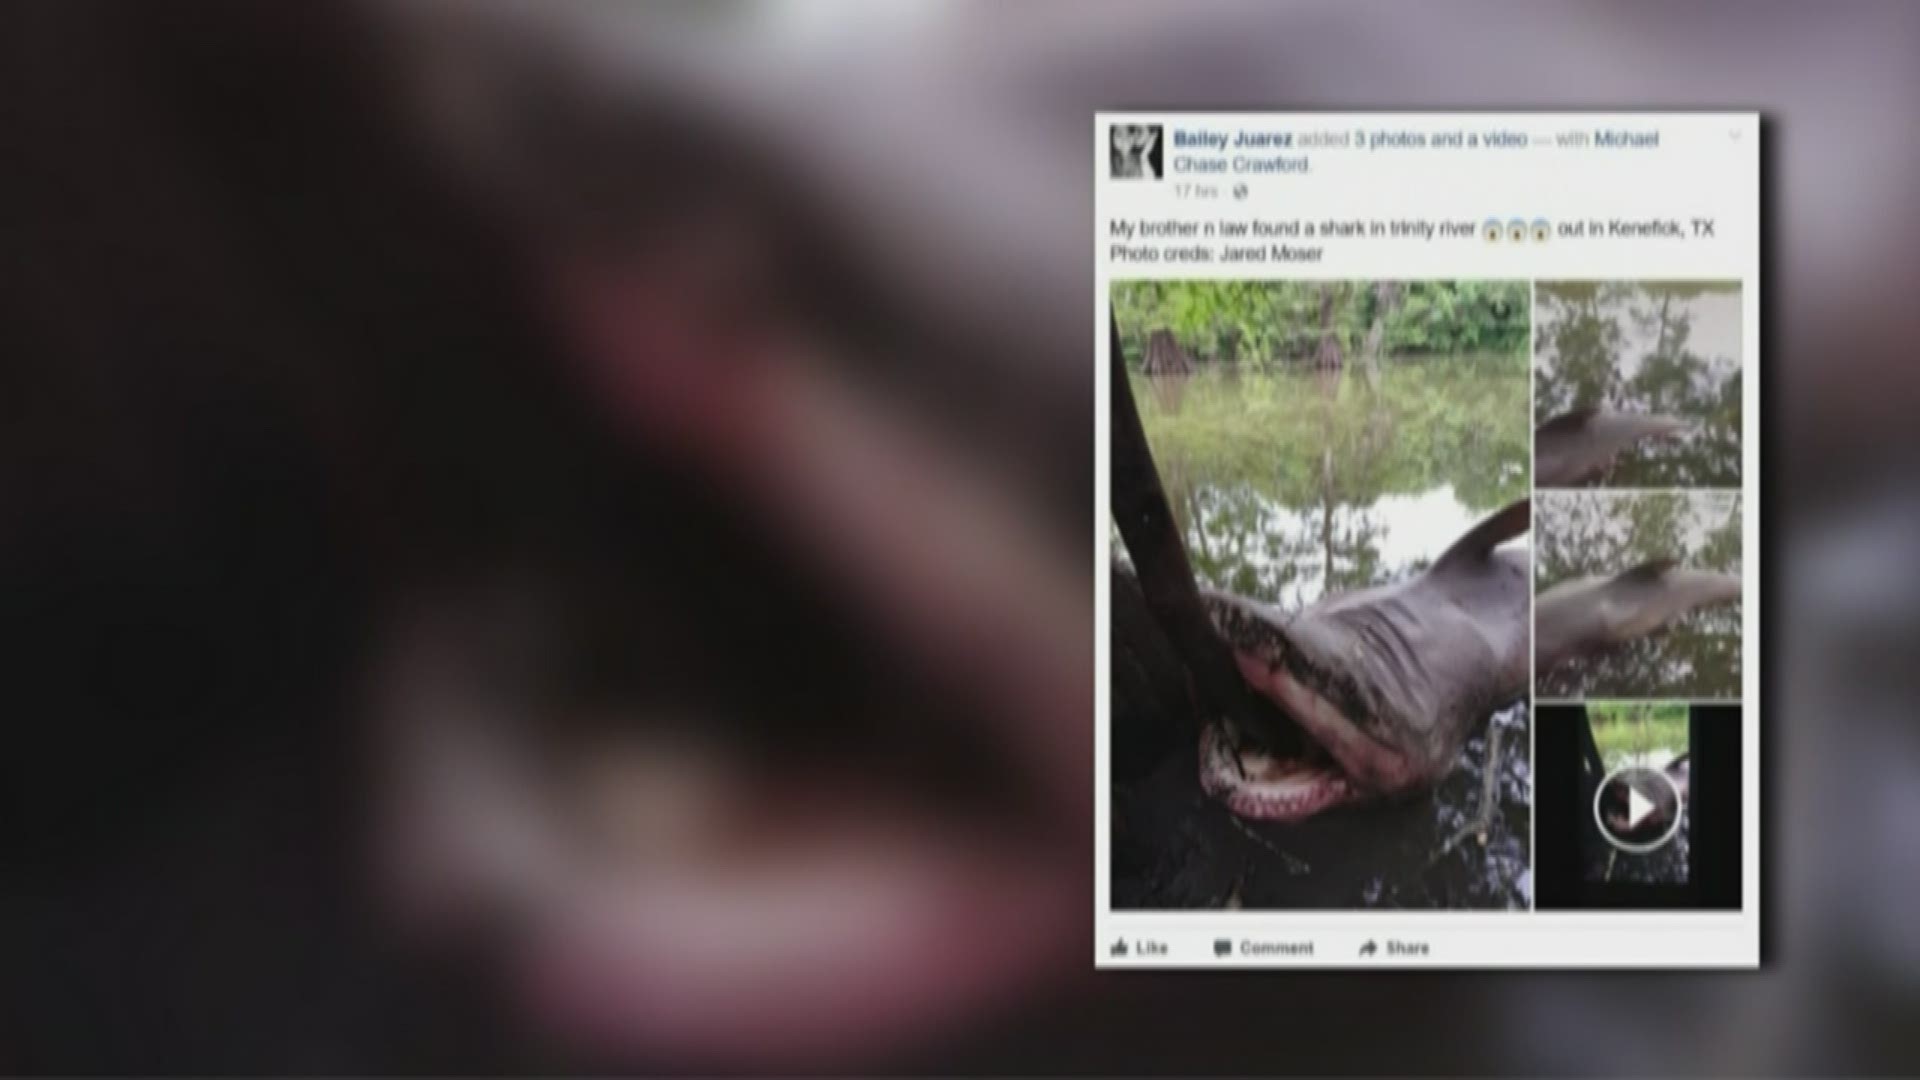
(1637, 593)
(1426, 596)
(1615, 407)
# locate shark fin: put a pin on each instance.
(1504, 525)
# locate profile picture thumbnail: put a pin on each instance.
(1136, 151)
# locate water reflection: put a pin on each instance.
(1666, 348)
(1288, 485)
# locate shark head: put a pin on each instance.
(1577, 446)
(1385, 683)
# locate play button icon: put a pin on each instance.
(1637, 808)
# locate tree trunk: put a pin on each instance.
(1329, 355)
(1166, 578)
(1165, 356)
(1386, 301)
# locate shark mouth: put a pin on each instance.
(1340, 764)
(1256, 784)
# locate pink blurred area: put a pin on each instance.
(552, 535)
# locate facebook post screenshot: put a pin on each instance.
(1427, 532)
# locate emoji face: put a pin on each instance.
(1517, 231)
(1541, 230)
(1492, 230)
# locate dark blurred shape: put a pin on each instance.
(552, 535)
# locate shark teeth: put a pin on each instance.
(1264, 787)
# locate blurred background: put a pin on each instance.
(552, 535)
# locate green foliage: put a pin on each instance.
(1278, 321)
(1625, 731)
(1460, 316)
